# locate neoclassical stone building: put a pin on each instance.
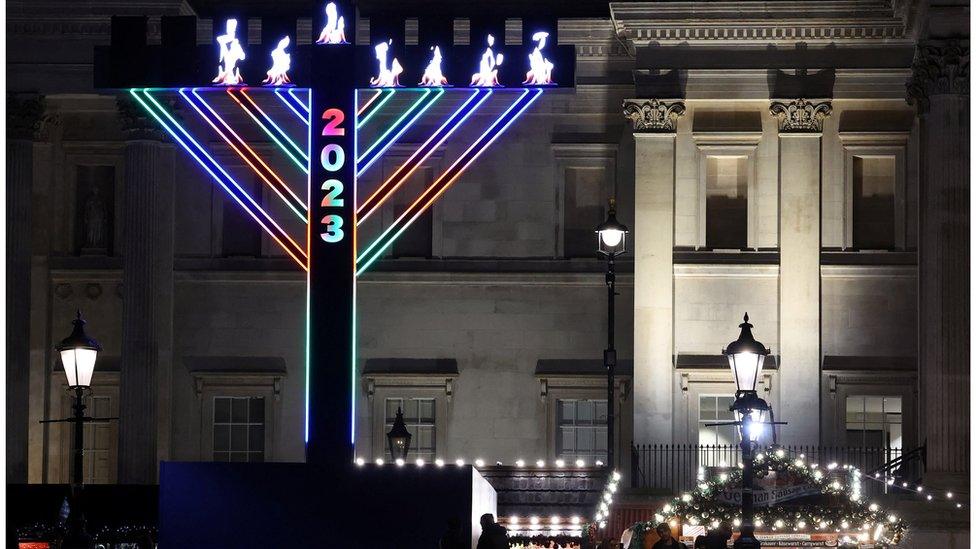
(805, 161)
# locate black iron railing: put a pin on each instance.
(673, 468)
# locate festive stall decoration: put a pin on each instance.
(847, 515)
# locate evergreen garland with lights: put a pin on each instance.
(846, 513)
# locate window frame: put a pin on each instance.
(837, 385)
(411, 426)
(590, 156)
(553, 388)
(595, 425)
(741, 144)
(868, 145)
(237, 384)
(372, 443)
(885, 423)
(249, 423)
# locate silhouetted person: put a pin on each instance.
(492, 534)
(452, 537)
(718, 538)
(666, 541)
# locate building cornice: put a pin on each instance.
(811, 21)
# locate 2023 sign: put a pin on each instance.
(333, 158)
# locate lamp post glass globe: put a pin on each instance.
(78, 354)
(746, 357)
(611, 235)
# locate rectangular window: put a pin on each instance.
(717, 442)
(419, 415)
(99, 442)
(583, 209)
(726, 203)
(874, 422)
(581, 430)
(874, 202)
(238, 429)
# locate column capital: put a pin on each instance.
(941, 67)
(800, 115)
(28, 118)
(654, 115)
(136, 123)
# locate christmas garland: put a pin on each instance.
(846, 513)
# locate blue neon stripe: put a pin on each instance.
(399, 127)
(470, 155)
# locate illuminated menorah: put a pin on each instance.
(327, 88)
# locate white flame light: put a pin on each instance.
(334, 31)
(231, 53)
(433, 77)
(388, 76)
(280, 64)
(487, 75)
(540, 68)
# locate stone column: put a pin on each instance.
(147, 305)
(24, 119)
(800, 131)
(939, 89)
(654, 123)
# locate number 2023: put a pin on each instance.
(332, 158)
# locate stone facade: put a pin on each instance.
(658, 97)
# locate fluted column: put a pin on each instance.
(147, 287)
(24, 118)
(800, 131)
(939, 89)
(654, 122)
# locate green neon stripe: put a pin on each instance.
(301, 163)
(376, 108)
(396, 124)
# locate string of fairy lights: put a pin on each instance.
(478, 462)
(850, 516)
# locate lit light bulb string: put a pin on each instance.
(144, 98)
(557, 525)
(250, 157)
(852, 517)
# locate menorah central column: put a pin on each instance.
(331, 362)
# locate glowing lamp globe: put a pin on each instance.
(611, 235)
(399, 437)
(757, 421)
(78, 353)
(746, 357)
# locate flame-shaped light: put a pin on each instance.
(433, 76)
(280, 64)
(387, 77)
(334, 31)
(231, 53)
(487, 75)
(540, 68)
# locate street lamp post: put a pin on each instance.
(78, 354)
(611, 237)
(746, 357)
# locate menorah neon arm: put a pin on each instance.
(375, 250)
(452, 123)
(293, 103)
(220, 175)
(362, 109)
(397, 128)
(372, 106)
(251, 158)
(297, 154)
